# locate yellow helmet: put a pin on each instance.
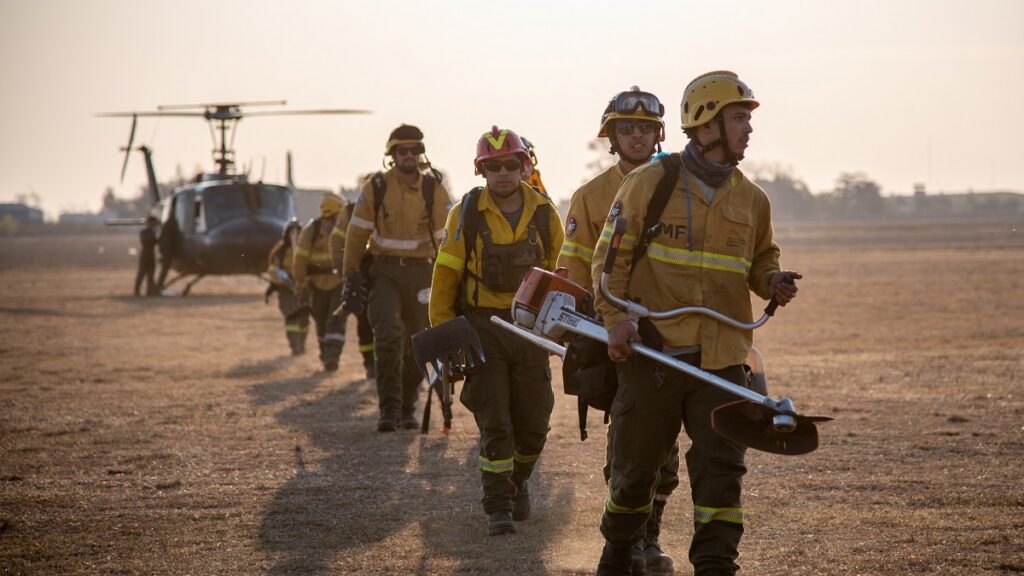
(633, 104)
(330, 205)
(708, 93)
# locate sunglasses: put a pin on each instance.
(497, 165)
(630, 101)
(408, 150)
(625, 127)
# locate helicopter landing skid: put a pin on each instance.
(165, 292)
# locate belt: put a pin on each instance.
(404, 260)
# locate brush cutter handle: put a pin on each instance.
(635, 311)
(774, 304)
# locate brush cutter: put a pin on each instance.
(544, 316)
(450, 349)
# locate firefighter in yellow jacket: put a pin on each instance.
(363, 329)
(492, 239)
(401, 213)
(711, 246)
(281, 261)
(316, 283)
(632, 122)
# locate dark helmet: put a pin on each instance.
(404, 135)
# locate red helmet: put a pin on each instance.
(498, 143)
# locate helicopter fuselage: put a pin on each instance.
(225, 226)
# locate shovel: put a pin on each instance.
(451, 349)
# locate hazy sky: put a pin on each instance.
(905, 91)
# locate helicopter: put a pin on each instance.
(221, 223)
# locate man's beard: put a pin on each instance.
(406, 169)
(507, 194)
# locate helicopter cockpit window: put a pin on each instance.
(223, 203)
(275, 200)
(199, 216)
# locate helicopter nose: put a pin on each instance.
(241, 246)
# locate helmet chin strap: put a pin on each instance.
(731, 158)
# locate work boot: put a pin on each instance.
(500, 523)
(658, 563)
(388, 421)
(409, 421)
(638, 562)
(615, 561)
(521, 503)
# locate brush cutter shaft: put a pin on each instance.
(580, 324)
(639, 311)
(551, 347)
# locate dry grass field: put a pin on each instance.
(177, 436)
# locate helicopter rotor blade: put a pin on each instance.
(133, 114)
(221, 105)
(128, 148)
(302, 112)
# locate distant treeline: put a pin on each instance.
(855, 197)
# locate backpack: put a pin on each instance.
(472, 224)
(587, 372)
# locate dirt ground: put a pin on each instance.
(177, 436)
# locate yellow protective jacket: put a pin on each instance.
(732, 252)
(588, 211)
(451, 264)
(336, 243)
(400, 227)
(312, 263)
(281, 258)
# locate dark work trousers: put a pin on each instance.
(396, 314)
(147, 269)
(147, 261)
(652, 404)
(511, 399)
(296, 328)
(330, 330)
(668, 474)
(364, 330)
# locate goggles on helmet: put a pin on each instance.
(630, 101)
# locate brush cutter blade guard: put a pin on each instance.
(762, 428)
(454, 344)
(534, 290)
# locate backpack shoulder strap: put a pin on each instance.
(380, 186)
(468, 228)
(470, 219)
(542, 218)
(671, 164)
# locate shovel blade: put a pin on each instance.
(454, 343)
(751, 425)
